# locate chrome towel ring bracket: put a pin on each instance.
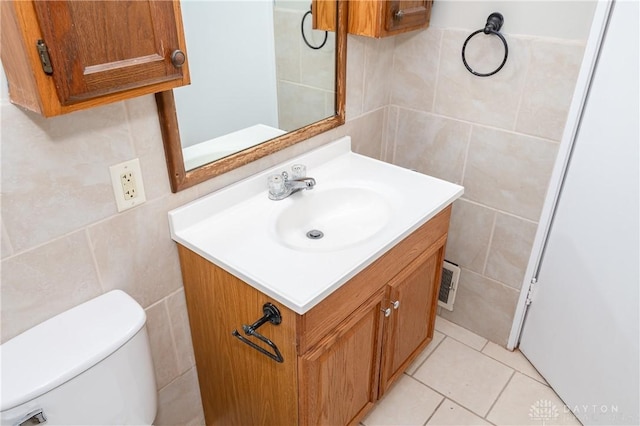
(493, 25)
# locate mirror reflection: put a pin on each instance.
(254, 77)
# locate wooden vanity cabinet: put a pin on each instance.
(375, 18)
(99, 52)
(340, 357)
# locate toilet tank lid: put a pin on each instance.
(64, 346)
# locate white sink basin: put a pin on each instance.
(363, 206)
(334, 218)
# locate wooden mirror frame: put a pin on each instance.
(181, 179)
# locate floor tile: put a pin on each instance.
(437, 338)
(451, 414)
(528, 402)
(513, 359)
(460, 334)
(408, 403)
(464, 375)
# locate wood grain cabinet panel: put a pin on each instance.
(339, 358)
(100, 51)
(376, 18)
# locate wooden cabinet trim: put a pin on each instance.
(331, 311)
(31, 88)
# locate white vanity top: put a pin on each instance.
(364, 207)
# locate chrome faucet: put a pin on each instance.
(280, 186)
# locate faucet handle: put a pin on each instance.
(298, 171)
(276, 185)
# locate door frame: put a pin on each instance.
(580, 94)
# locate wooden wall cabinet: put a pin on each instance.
(100, 52)
(340, 357)
(375, 18)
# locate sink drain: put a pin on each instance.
(315, 234)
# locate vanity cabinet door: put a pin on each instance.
(413, 303)
(339, 376)
(98, 51)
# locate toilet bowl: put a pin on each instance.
(89, 365)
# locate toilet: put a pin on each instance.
(89, 365)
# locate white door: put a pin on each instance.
(582, 329)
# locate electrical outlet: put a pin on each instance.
(128, 189)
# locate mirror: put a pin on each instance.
(202, 127)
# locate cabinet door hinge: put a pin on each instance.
(532, 286)
(43, 52)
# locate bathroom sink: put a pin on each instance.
(363, 207)
(332, 219)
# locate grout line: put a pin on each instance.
(500, 394)
(489, 243)
(94, 259)
(437, 80)
(466, 155)
(434, 411)
(428, 356)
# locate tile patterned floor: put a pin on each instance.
(462, 379)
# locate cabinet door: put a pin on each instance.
(103, 47)
(405, 15)
(413, 302)
(339, 377)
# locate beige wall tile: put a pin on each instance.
(508, 171)
(142, 115)
(299, 105)
(469, 235)
(483, 306)
(134, 251)
(355, 76)
(43, 282)
(179, 402)
(7, 249)
(548, 88)
(163, 353)
(55, 171)
(317, 67)
(378, 64)
(432, 145)
(486, 100)
(510, 249)
(287, 23)
(415, 63)
(179, 317)
(390, 129)
(366, 134)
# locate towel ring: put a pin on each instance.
(326, 34)
(493, 25)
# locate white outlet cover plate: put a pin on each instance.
(132, 166)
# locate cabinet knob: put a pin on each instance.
(178, 58)
(398, 15)
(395, 304)
(387, 312)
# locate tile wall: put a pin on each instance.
(305, 76)
(498, 136)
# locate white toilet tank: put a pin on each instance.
(89, 365)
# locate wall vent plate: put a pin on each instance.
(448, 285)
